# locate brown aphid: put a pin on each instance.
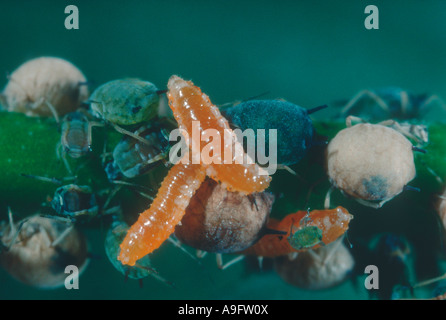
(45, 87)
(317, 269)
(37, 250)
(221, 221)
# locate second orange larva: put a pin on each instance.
(157, 223)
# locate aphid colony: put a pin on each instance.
(219, 208)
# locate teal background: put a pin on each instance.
(308, 52)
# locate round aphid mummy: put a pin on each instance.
(125, 101)
(370, 162)
(317, 269)
(39, 251)
(221, 221)
(45, 87)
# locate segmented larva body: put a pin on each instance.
(333, 223)
(157, 223)
(189, 104)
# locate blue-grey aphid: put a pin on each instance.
(295, 132)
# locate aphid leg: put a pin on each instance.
(166, 282)
(350, 119)
(260, 261)
(62, 236)
(417, 133)
(53, 111)
(433, 98)
(134, 185)
(334, 246)
(129, 133)
(226, 265)
(292, 255)
(201, 253)
(92, 124)
(62, 154)
(111, 196)
(410, 188)
(284, 167)
(316, 109)
(253, 201)
(404, 98)
(418, 149)
(3, 101)
(16, 233)
(177, 244)
(41, 178)
(328, 197)
(430, 281)
(12, 227)
(365, 93)
(375, 205)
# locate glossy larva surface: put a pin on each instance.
(189, 104)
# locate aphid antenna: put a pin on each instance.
(430, 281)
(226, 265)
(41, 178)
(151, 270)
(410, 188)
(419, 149)
(3, 100)
(319, 143)
(160, 92)
(268, 231)
(315, 109)
(85, 83)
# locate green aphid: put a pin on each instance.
(306, 237)
(141, 269)
(125, 101)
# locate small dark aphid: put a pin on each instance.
(391, 102)
(132, 158)
(72, 201)
(295, 132)
(391, 255)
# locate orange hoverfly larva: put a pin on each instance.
(158, 222)
(189, 104)
(304, 230)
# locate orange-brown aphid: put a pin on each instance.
(333, 224)
(189, 104)
(157, 223)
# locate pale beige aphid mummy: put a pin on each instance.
(370, 162)
(45, 87)
(317, 269)
(37, 250)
